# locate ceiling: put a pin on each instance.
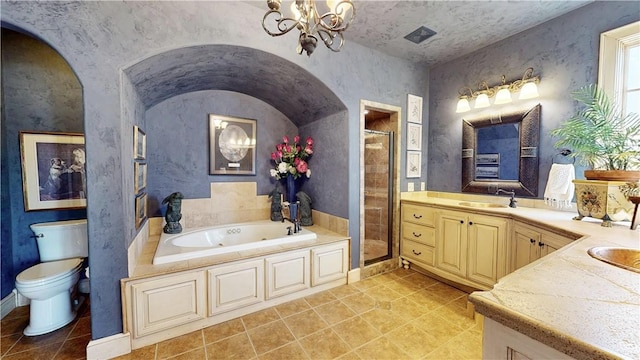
(461, 26)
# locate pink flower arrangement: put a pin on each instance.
(291, 158)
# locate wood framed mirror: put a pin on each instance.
(494, 148)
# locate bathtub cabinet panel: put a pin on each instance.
(329, 263)
(287, 273)
(164, 303)
(235, 286)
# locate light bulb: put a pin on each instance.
(463, 105)
(529, 91)
(295, 11)
(482, 101)
(503, 96)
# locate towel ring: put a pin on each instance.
(563, 152)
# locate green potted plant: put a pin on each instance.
(602, 137)
(608, 141)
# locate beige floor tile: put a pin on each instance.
(195, 354)
(6, 342)
(356, 332)
(359, 303)
(305, 323)
(407, 309)
(461, 347)
(145, 353)
(408, 284)
(445, 291)
(382, 320)
(367, 283)
(31, 342)
(456, 315)
(222, 330)
(411, 340)
(82, 327)
(14, 324)
(403, 288)
(383, 294)
(271, 336)
(381, 349)
(422, 280)
(180, 344)
(426, 299)
(292, 307)
(437, 330)
(344, 291)
(74, 349)
(324, 344)
(260, 318)
(320, 298)
(234, 347)
(40, 353)
(350, 356)
(334, 312)
(291, 351)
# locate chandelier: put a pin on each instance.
(312, 25)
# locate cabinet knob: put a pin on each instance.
(532, 241)
(417, 235)
(416, 252)
(461, 221)
(416, 216)
(541, 244)
(470, 222)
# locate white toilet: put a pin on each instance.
(63, 247)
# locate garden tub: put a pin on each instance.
(208, 241)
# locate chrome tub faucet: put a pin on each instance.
(512, 201)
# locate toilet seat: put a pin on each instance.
(47, 272)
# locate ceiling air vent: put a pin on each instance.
(420, 34)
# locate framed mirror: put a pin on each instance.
(501, 152)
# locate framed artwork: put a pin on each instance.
(232, 145)
(53, 170)
(414, 109)
(414, 136)
(487, 172)
(141, 209)
(488, 159)
(414, 164)
(140, 177)
(139, 144)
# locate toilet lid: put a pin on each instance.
(48, 270)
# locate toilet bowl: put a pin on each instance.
(48, 286)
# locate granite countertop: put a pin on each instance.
(145, 268)
(567, 300)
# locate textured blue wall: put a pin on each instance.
(563, 51)
(40, 93)
(101, 39)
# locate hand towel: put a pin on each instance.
(560, 188)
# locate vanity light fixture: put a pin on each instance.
(527, 86)
(305, 17)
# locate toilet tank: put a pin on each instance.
(61, 239)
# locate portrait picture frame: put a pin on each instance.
(139, 143)
(141, 209)
(414, 109)
(53, 170)
(414, 164)
(488, 159)
(414, 136)
(232, 145)
(139, 176)
(487, 172)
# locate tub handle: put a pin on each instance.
(37, 236)
(289, 232)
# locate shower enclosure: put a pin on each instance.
(378, 195)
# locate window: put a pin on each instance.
(619, 73)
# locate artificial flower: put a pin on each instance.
(292, 158)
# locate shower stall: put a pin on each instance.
(378, 195)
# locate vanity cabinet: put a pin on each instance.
(472, 246)
(530, 244)
(418, 233)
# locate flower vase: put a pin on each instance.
(291, 189)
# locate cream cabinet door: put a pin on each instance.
(487, 253)
(451, 243)
(329, 263)
(287, 273)
(235, 286)
(167, 302)
(524, 247)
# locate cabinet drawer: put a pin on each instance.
(417, 251)
(421, 234)
(419, 214)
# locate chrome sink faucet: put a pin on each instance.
(296, 225)
(512, 201)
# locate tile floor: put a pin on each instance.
(397, 315)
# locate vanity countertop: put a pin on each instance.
(567, 300)
(145, 268)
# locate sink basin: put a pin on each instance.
(481, 205)
(625, 258)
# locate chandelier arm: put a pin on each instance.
(328, 38)
(283, 24)
(333, 21)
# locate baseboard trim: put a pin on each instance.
(109, 347)
(353, 276)
(8, 304)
